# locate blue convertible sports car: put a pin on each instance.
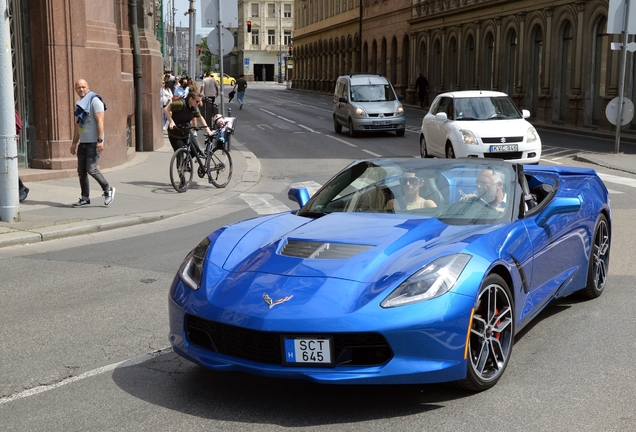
(395, 271)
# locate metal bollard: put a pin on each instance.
(229, 112)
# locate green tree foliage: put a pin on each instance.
(206, 57)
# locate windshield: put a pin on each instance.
(486, 108)
(372, 93)
(455, 192)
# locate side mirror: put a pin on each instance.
(441, 116)
(343, 100)
(525, 113)
(401, 97)
(299, 196)
(559, 206)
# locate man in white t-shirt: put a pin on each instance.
(210, 87)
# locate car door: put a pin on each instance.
(558, 251)
(436, 141)
(340, 108)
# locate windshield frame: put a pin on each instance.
(374, 180)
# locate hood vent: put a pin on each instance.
(322, 250)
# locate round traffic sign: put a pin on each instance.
(611, 111)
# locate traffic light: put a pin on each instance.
(249, 26)
(290, 51)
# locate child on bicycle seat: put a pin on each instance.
(221, 125)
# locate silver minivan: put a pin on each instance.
(367, 103)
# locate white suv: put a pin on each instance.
(483, 124)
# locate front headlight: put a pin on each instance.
(400, 110)
(191, 270)
(468, 137)
(430, 281)
(360, 112)
(532, 134)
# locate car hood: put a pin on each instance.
(496, 128)
(350, 246)
(378, 107)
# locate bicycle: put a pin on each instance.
(214, 161)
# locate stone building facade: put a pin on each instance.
(57, 42)
(263, 52)
(553, 57)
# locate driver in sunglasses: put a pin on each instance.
(410, 198)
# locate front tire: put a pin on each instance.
(423, 151)
(491, 335)
(337, 126)
(181, 170)
(599, 260)
(400, 132)
(352, 132)
(219, 167)
(450, 153)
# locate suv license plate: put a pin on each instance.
(504, 148)
(308, 351)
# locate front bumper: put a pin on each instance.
(378, 124)
(427, 341)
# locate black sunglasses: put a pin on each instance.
(409, 180)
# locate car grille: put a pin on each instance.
(306, 249)
(382, 127)
(350, 349)
(504, 155)
(390, 114)
(502, 140)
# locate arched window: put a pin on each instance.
(510, 72)
(469, 67)
(452, 64)
(565, 65)
(486, 80)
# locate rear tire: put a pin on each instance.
(599, 260)
(219, 167)
(181, 170)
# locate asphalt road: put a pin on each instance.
(84, 326)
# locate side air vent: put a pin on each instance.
(321, 250)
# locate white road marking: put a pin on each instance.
(41, 389)
(618, 180)
(286, 119)
(264, 204)
(371, 153)
(341, 140)
(309, 129)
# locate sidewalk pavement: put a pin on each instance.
(144, 194)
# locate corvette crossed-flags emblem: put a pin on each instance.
(272, 303)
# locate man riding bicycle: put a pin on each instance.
(179, 114)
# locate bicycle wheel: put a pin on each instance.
(219, 167)
(181, 170)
